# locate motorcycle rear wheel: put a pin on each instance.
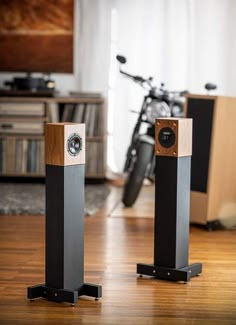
(137, 174)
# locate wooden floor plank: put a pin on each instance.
(143, 207)
(113, 246)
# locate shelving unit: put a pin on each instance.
(22, 122)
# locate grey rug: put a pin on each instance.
(29, 199)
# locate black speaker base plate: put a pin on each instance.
(183, 274)
(62, 295)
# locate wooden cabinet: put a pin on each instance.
(213, 176)
(22, 122)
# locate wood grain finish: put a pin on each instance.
(219, 203)
(198, 206)
(200, 96)
(222, 175)
(113, 246)
(143, 207)
(57, 54)
(56, 137)
(41, 33)
(182, 129)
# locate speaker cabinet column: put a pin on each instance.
(65, 226)
(172, 196)
(65, 162)
(172, 202)
(213, 177)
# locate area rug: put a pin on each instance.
(29, 199)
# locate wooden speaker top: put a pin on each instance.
(64, 144)
(173, 137)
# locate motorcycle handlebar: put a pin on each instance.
(135, 78)
(163, 92)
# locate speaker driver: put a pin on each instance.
(166, 137)
(74, 144)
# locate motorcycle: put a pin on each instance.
(140, 158)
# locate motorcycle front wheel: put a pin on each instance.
(137, 173)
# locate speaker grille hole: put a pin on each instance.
(74, 144)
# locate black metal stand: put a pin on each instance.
(64, 238)
(171, 237)
(184, 274)
(62, 295)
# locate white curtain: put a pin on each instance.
(183, 43)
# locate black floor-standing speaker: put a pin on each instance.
(173, 148)
(65, 168)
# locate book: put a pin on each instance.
(21, 127)
(91, 130)
(53, 112)
(24, 156)
(18, 158)
(33, 156)
(4, 145)
(10, 155)
(22, 109)
(87, 118)
(84, 94)
(28, 164)
(78, 114)
(68, 112)
(41, 169)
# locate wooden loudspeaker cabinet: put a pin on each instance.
(213, 175)
(65, 164)
(173, 149)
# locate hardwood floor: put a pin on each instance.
(115, 240)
